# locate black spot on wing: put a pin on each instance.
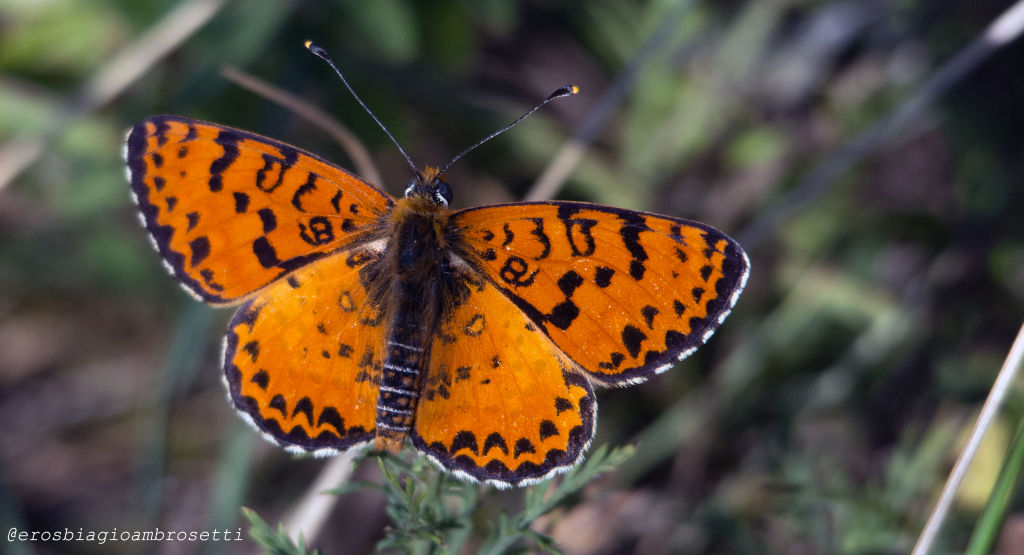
(345, 302)
(241, 202)
(464, 439)
(632, 337)
(681, 255)
(547, 429)
(265, 252)
(562, 404)
(509, 236)
(495, 440)
(569, 282)
(563, 315)
(615, 360)
(649, 312)
(698, 293)
(248, 315)
(330, 416)
(280, 404)
(229, 142)
(475, 326)
(633, 224)
(603, 276)
(545, 242)
(523, 445)
(261, 379)
(207, 275)
(275, 166)
(253, 348)
(304, 406)
(160, 131)
(306, 188)
(200, 247)
(192, 134)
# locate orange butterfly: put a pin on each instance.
(475, 333)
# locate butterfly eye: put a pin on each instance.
(443, 193)
(411, 187)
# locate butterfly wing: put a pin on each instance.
(231, 211)
(501, 403)
(302, 359)
(625, 294)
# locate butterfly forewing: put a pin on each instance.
(625, 294)
(231, 211)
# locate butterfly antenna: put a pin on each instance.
(567, 90)
(319, 51)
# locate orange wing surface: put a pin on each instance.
(302, 359)
(624, 294)
(231, 211)
(500, 402)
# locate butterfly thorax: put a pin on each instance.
(417, 262)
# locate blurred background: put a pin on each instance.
(877, 190)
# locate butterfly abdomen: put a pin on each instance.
(417, 267)
(401, 376)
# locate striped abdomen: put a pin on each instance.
(403, 369)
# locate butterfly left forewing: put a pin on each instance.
(231, 211)
(625, 294)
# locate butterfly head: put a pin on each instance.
(427, 185)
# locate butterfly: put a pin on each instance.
(475, 334)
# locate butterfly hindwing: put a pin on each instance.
(500, 402)
(625, 294)
(302, 359)
(231, 211)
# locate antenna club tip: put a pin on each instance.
(568, 90)
(308, 44)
